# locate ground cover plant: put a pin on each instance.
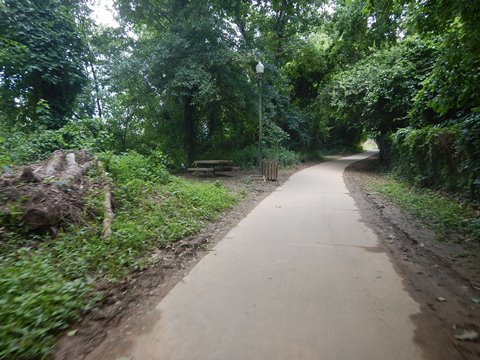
(47, 282)
(444, 212)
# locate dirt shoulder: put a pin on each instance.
(123, 303)
(446, 287)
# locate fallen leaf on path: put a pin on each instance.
(71, 332)
(467, 335)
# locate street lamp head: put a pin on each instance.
(260, 68)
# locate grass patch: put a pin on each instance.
(45, 286)
(445, 213)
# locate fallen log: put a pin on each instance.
(66, 165)
(108, 213)
(54, 164)
(72, 168)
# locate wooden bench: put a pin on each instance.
(210, 166)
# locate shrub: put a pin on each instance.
(248, 157)
(284, 156)
(23, 147)
(132, 166)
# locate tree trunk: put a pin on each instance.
(97, 91)
(66, 165)
(212, 122)
(54, 165)
(189, 129)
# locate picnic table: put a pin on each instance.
(210, 166)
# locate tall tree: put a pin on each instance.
(41, 62)
(188, 56)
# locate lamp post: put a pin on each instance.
(260, 69)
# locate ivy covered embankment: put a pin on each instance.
(440, 156)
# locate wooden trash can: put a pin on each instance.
(270, 169)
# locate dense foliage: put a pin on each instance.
(178, 76)
(416, 93)
(41, 62)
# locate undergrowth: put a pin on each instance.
(21, 147)
(247, 157)
(443, 212)
(45, 286)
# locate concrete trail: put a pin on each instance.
(301, 277)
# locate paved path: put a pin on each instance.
(301, 277)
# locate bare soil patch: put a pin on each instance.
(446, 287)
